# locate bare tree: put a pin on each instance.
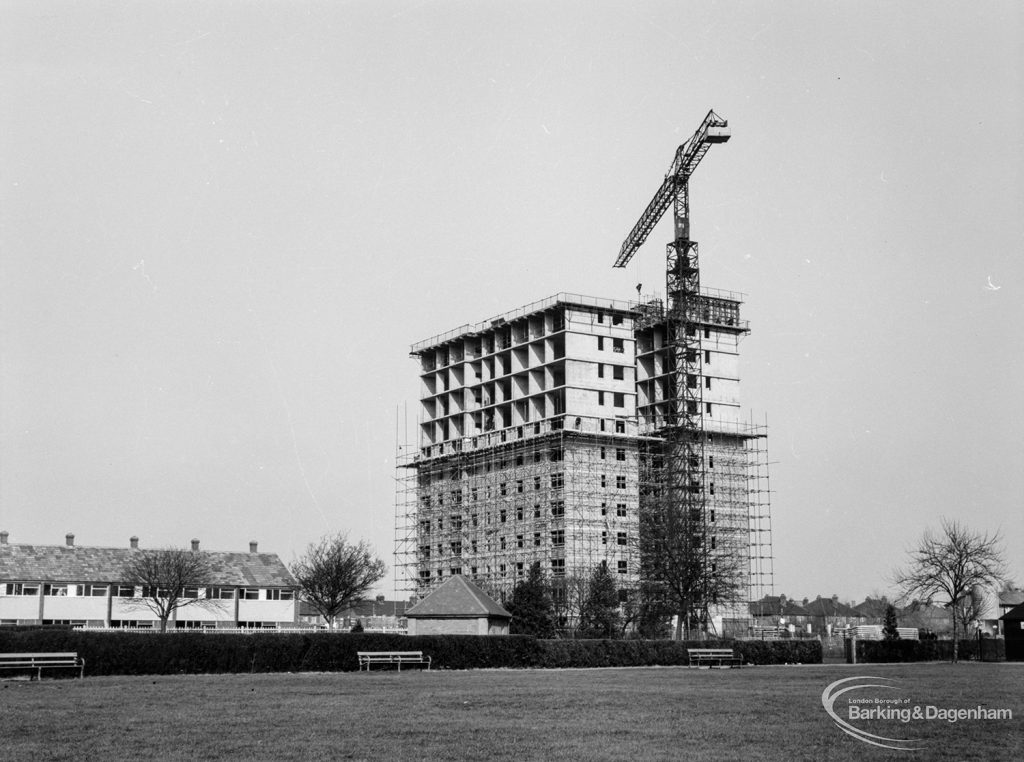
(167, 580)
(680, 568)
(949, 565)
(334, 573)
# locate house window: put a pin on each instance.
(619, 399)
(557, 480)
(604, 538)
(455, 570)
(604, 480)
(249, 594)
(558, 508)
(616, 319)
(604, 509)
(620, 453)
(600, 398)
(124, 591)
(519, 485)
(620, 510)
(707, 382)
(600, 317)
(503, 488)
(618, 372)
(519, 513)
(457, 548)
(558, 567)
(20, 588)
(55, 591)
(536, 511)
(620, 481)
(222, 593)
(620, 427)
(707, 408)
(618, 346)
(519, 541)
(707, 356)
(277, 594)
(536, 483)
(620, 538)
(707, 333)
(503, 515)
(600, 343)
(190, 593)
(536, 539)
(623, 567)
(600, 370)
(602, 453)
(91, 591)
(558, 537)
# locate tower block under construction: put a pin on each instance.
(542, 439)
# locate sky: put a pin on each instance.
(223, 225)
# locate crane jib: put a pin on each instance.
(713, 130)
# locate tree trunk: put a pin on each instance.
(956, 642)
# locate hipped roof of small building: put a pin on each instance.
(458, 598)
(76, 563)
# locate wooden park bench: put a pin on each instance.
(713, 657)
(41, 661)
(398, 658)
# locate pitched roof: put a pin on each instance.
(458, 597)
(77, 563)
(829, 607)
(1011, 598)
(776, 605)
(1016, 614)
(872, 607)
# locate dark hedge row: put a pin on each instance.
(879, 651)
(152, 653)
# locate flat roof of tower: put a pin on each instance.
(576, 300)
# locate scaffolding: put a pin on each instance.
(559, 493)
(502, 474)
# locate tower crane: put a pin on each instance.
(675, 552)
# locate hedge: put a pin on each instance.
(128, 653)
(882, 651)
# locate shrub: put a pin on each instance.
(132, 653)
(883, 651)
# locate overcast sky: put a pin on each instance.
(223, 224)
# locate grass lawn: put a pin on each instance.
(600, 714)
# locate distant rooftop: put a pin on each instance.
(77, 563)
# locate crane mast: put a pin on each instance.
(675, 551)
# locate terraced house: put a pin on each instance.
(78, 585)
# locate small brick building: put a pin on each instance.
(458, 607)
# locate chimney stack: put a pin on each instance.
(69, 538)
(3, 537)
(195, 544)
(134, 542)
(252, 546)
